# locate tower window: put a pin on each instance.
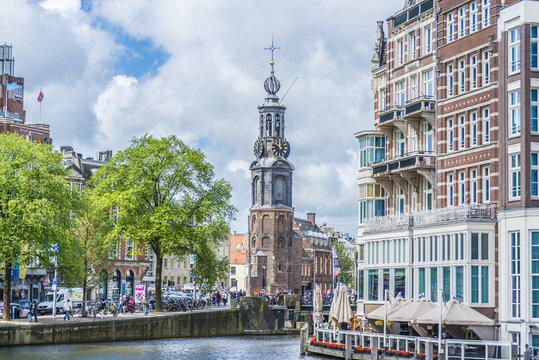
(268, 125)
(277, 125)
(279, 190)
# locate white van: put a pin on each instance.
(62, 294)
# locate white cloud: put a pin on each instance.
(207, 90)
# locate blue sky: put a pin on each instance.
(115, 69)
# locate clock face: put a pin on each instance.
(258, 148)
(280, 147)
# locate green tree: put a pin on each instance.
(90, 254)
(35, 203)
(346, 263)
(167, 199)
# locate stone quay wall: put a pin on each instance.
(253, 316)
(177, 325)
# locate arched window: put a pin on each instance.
(254, 242)
(265, 242)
(116, 284)
(277, 125)
(280, 224)
(266, 224)
(261, 125)
(253, 223)
(256, 190)
(281, 242)
(130, 283)
(268, 125)
(279, 190)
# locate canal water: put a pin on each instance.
(222, 348)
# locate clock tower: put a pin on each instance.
(275, 251)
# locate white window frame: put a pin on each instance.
(462, 188)
(473, 129)
(462, 131)
(400, 51)
(462, 22)
(450, 191)
(450, 135)
(411, 46)
(513, 55)
(474, 17)
(514, 113)
(486, 68)
(515, 274)
(534, 110)
(400, 92)
(534, 47)
(514, 177)
(451, 34)
(534, 174)
(473, 72)
(428, 195)
(401, 144)
(486, 13)
(428, 90)
(486, 185)
(486, 125)
(413, 87)
(474, 187)
(450, 80)
(427, 40)
(462, 76)
(401, 200)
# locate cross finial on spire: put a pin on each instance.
(272, 48)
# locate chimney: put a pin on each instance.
(311, 217)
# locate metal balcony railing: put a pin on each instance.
(459, 213)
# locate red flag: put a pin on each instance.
(40, 97)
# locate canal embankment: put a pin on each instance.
(252, 316)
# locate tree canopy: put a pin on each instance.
(164, 196)
(35, 204)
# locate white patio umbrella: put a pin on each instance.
(379, 313)
(455, 313)
(341, 312)
(412, 310)
(317, 307)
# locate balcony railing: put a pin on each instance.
(423, 103)
(412, 159)
(459, 213)
(389, 114)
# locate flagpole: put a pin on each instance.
(40, 90)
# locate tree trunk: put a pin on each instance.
(158, 282)
(84, 287)
(7, 293)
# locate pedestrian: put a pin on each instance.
(218, 298)
(145, 305)
(131, 304)
(68, 307)
(33, 311)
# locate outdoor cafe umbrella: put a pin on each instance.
(455, 313)
(412, 310)
(341, 312)
(379, 313)
(317, 307)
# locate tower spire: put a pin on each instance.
(272, 85)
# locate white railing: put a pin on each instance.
(411, 346)
(430, 217)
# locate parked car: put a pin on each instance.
(17, 311)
